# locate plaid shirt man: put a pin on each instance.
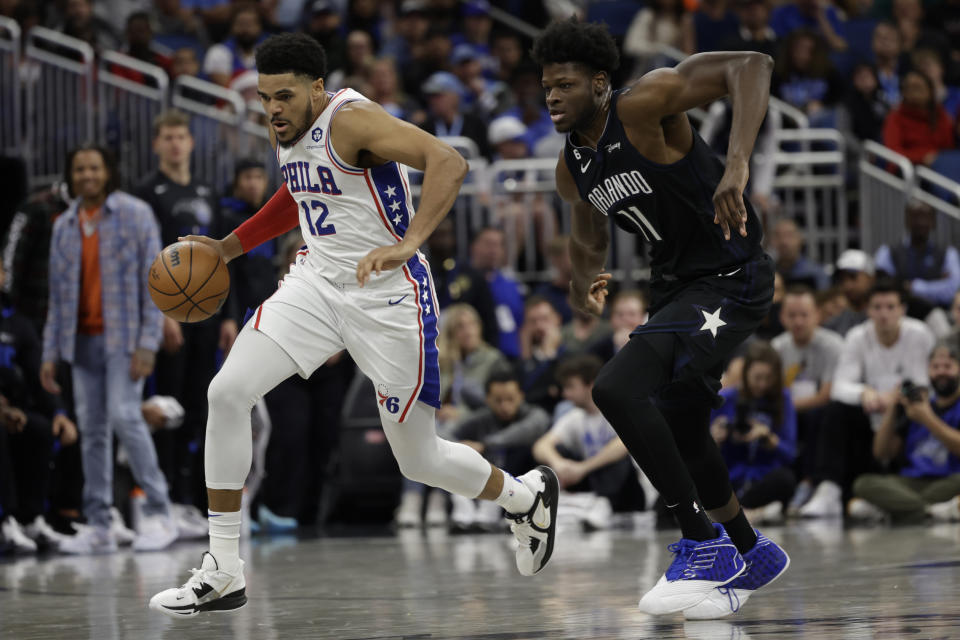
(129, 241)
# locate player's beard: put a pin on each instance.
(298, 131)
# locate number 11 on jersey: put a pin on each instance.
(318, 229)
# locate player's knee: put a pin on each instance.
(605, 390)
(227, 392)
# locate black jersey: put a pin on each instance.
(670, 205)
(181, 210)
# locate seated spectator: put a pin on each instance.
(887, 48)
(184, 62)
(480, 95)
(755, 32)
(710, 25)
(541, 138)
(660, 23)
(177, 28)
(945, 16)
(628, 310)
(487, 255)
(557, 291)
(830, 304)
(476, 25)
(756, 429)
(80, 22)
(930, 62)
(809, 356)
(583, 331)
(216, 15)
(803, 77)
(928, 271)
(503, 431)
(140, 45)
(360, 56)
(822, 18)
(584, 449)
(865, 108)
(877, 356)
(30, 420)
(924, 430)
(444, 117)
(919, 128)
(787, 243)
(507, 50)
(540, 349)
(385, 84)
(466, 362)
(235, 55)
(908, 16)
(953, 339)
(324, 24)
(507, 136)
(411, 27)
(855, 275)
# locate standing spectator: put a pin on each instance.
(628, 310)
(756, 429)
(540, 349)
(30, 420)
(652, 27)
(487, 255)
(557, 291)
(928, 271)
(102, 320)
(820, 17)
(866, 110)
(235, 55)
(445, 117)
(855, 275)
(919, 127)
(886, 57)
(924, 430)
(503, 431)
(80, 22)
(187, 362)
(877, 357)
(584, 449)
(809, 356)
(787, 243)
(803, 77)
(710, 25)
(755, 33)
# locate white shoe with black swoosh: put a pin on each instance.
(208, 589)
(536, 529)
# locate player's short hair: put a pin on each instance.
(295, 53)
(887, 285)
(501, 375)
(584, 366)
(170, 118)
(587, 43)
(109, 161)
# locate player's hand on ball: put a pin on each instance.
(730, 212)
(594, 299)
(383, 259)
(216, 245)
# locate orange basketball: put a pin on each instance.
(189, 281)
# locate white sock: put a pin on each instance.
(515, 497)
(225, 539)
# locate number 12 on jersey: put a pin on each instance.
(318, 228)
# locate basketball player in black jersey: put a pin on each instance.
(633, 156)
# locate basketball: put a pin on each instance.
(189, 281)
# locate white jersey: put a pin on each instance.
(345, 211)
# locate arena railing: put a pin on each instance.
(217, 123)
(943, 194)
(886, 180)
(11, 127)
(254, 141)
(131, 93)
(60, 101)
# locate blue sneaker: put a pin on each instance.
(697, 570)
(765, 563)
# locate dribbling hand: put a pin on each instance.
(728, 206)
(594, 299)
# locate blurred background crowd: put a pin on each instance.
(844, 404)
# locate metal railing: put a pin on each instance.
(60, 100)
(131, 93)
(10, 90)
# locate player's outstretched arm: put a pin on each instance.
(365, 126)
(703, 78)
(589, 240)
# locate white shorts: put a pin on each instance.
(389, 328)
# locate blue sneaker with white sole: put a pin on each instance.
(697, 570)
(766, 562)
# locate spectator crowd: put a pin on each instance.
(846, 403)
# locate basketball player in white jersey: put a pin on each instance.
(360, 284)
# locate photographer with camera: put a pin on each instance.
(877, 356)
(756, 429)
(922, 431)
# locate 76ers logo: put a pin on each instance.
(316, 134)
(392, 403)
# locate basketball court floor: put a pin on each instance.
(854, 583)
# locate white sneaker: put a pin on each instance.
(208, 589)
(191, 525)
(121, 533)
(156, 532)
(946, 511)
(411, 506)
(536, 529)
(824, 503)
(89, 540)
(862, 511)
(464, 513)
(14, 535)
(600, 514)
(43, 534)
(436, 509)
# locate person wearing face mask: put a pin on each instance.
(922, 428)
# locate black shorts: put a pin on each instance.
(699, 325)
